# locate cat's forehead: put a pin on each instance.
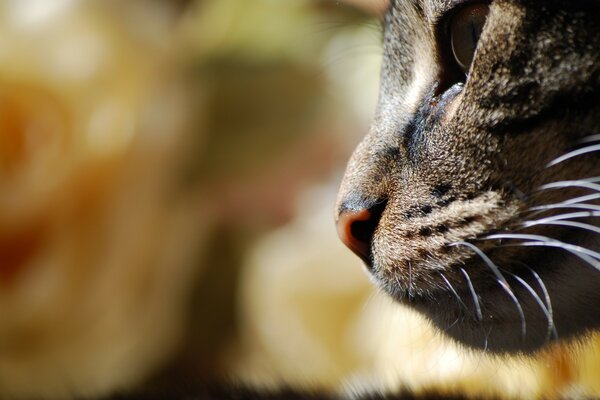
(431, 10)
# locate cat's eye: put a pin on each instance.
(465, 29)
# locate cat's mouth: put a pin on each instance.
(473, 283)
(460, 279)
(472, 302)
(427, 252)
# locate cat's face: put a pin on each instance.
(460, 145)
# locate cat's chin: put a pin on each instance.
(494, 334)
(498, 331)
(485, 314)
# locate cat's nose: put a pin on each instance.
(356, 228)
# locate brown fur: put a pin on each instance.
(445, 163)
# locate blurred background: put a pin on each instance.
(149, 152)
(168, 171)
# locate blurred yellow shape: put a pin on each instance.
(95, 245)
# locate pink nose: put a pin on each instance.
(356, 228)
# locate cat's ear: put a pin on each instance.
(374, 7)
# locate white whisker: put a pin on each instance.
(574, 153)
(551, 329)
(501, 280)
(410, 280)
(589, 183)
(576, 201)
(572, 224)
(581, 206)
(587, 255)
(590, 260)
(568, 216)
(590, 138)
(473, 294)
(546, 294)
(582, 198)
(563, 204)
(453, 291)
(538, 240)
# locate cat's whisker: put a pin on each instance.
(575, 200)
(534, 211)
(587, 255)
(456, 321)
(460, 301)
(571, 224)
(567, 216)
(487, 339)
(541, 209)
(500, 279)
(590, 138)
(398, 283)
(574, 153)
(538, 240)
(544, 289)
(583, 206)
(590, 260)
(473, 294)
(551, 328)
(588, 183)
(410, 280)
(580, 199)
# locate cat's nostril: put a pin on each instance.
(356, 228)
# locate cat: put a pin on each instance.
(472, 198)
